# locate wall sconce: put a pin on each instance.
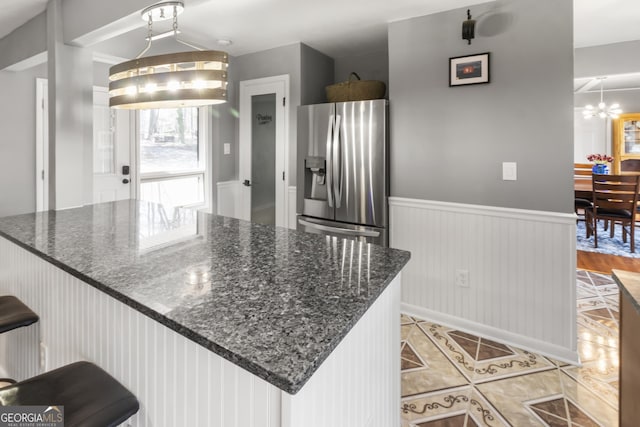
(468, 27)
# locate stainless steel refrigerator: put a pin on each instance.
(343, 172)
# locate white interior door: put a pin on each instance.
(111, 150)
(264, 115)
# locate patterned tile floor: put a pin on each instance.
(454, 379)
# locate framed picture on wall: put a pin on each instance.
(469, 70)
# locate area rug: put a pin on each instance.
(606, 244)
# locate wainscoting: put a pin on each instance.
(179, 382)
(230, 202)
(521, 271)
(291, 207)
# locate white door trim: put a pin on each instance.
(42, 146)
(111, 183)
(248, 88)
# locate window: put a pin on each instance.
(172, 156)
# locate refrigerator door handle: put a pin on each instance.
(329, 166)
(337, 178)
(344, 231)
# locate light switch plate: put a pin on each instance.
(509, 171)
(227, 148)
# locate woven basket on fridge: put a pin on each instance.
(355, 90)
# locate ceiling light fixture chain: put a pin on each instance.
(149, 37)
(175, 21)
(171, 80)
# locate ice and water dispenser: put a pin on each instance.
(315, 186)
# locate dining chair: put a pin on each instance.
(614, 198)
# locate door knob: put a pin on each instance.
(125, 181)
(246, 183)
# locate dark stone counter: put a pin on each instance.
(274, 301)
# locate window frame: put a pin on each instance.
(204, 163)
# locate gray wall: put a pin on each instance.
(267, 63)
(17, 143)
(309, 72)
(70, 115)
(24, 42)
(101, 74)
(448, 144)
(317, 73)
(369, 66)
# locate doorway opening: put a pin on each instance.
(111, 148)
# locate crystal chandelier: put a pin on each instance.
(602, 110)
(184, 79)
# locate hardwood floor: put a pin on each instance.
(604, 263)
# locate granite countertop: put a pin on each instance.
(272, 300)
(629, 284)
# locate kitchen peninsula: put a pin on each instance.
(209, 320)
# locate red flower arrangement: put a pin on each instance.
(600, 158)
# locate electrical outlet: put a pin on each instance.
(44, 357)
(462, 278)
(226, 148)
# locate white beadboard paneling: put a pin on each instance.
(228, 198)
(359, 385)
(229, 201)
(177, 381)
(521, 265)
(291, 209)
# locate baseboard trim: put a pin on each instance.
(558, 353)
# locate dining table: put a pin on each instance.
(583, 188)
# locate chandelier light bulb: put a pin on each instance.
(173, 85)
(603, 111)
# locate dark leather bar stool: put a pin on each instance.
(14, 314)
(90, 396)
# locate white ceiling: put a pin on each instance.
(335, 27)
(255, 25)
(598, 22)
(14, 13)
